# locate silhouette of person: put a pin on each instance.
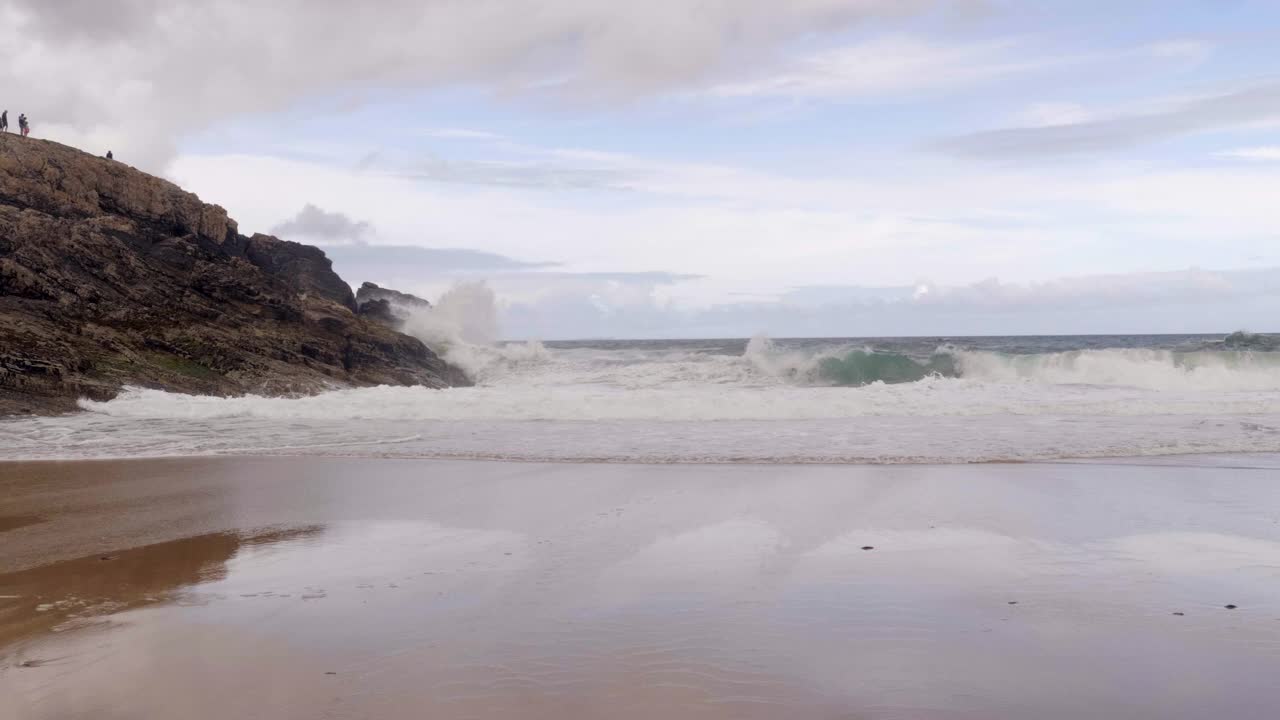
(110, 156)
(4, 121)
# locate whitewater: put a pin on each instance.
(885, 400)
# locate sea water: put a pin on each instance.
(877, 400)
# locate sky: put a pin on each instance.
(712, 168)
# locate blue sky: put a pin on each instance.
(714, 167)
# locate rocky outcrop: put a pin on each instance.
(112, 277)
(388, 306)
(380, 311)
(304, 267)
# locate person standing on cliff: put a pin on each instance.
(24, 125)
(4, 121)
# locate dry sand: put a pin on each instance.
(306, 588)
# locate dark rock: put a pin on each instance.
(304, 268)
(379, 310)
(388, 306)
(112, 277)
(369, 291)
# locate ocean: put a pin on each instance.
(865, 400)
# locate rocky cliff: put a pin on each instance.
(112, 277)
(387, 306)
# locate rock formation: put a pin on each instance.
(112, 277)
(386, 305)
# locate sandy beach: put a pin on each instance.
(309, 588)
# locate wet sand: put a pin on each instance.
(328, 588)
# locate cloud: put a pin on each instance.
(139, 74)
(1047, 114)
(540, 174)
(884, 66)
(1190, 301)
(312, 223)
(649, 277)
(1269, 153)
(1192, 50)
(762, 232)
(407, 263)
(1079, 292)
(1240, 107)
(1106, 291)
(895, 65)
(461, 134)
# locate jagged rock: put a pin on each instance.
(369, 291)
(379, 310)
(386, 305)
(304, 267)
(65, 183)
(112, 277)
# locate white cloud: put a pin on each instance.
(137, 74)
(316, 225)
(883, 66)
(461, 134)
(1188, 50)
(1235, 108)
(774, 236)
(760, 232)
(1054, 113)
(1268, 153)
(1189, 301)
(895, 65)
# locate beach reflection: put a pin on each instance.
(707, 594)
(91, 589)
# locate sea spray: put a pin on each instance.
(1148, 369)
(462, 327)
(465, 313)
(787, 400)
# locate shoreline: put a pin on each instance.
(1127, 460)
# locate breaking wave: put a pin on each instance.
(1155, 369)
(462, 327)
(1205, 370)
(893, 400)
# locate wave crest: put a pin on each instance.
(1222, 370)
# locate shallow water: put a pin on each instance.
(452, 590)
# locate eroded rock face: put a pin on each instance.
(387, 306)
(63, 182)
(380, 311)
(112, 277)
(304, 267)
(369, 291)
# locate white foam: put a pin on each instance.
(1163, 370)
(680, 403)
